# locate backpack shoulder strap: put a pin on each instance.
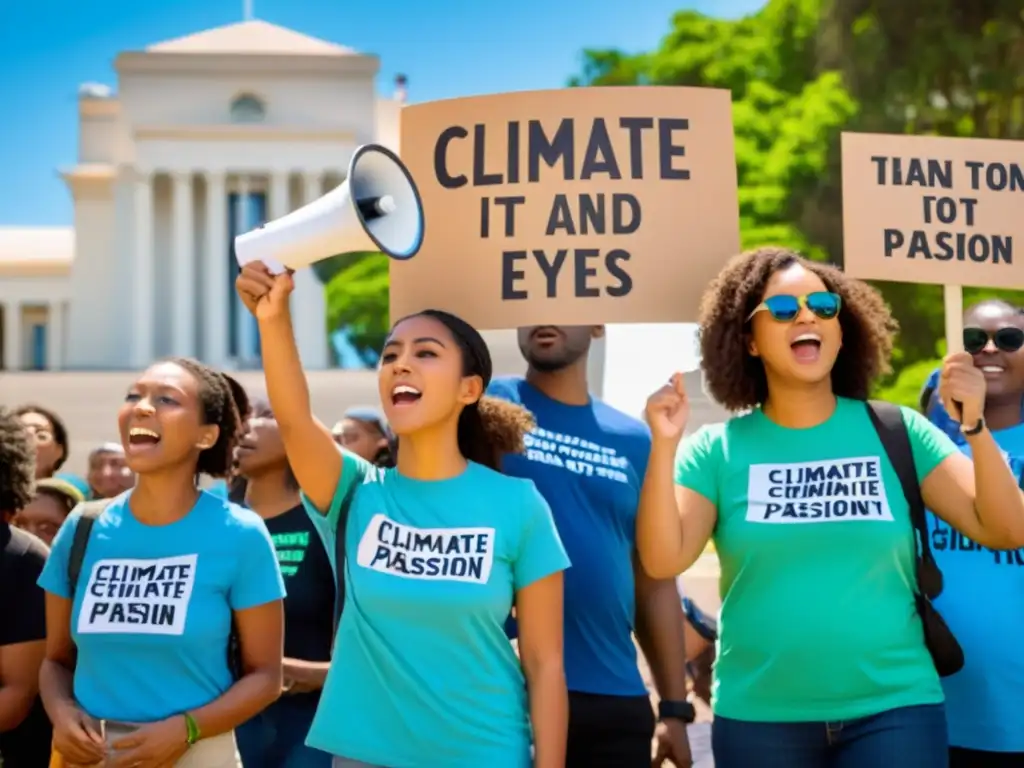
(91, 510)
(887, 419)
(339, 554)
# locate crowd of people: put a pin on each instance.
(456, 578)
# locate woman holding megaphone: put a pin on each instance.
(436, 551)
(829, 646)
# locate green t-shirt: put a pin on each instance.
(818, 619)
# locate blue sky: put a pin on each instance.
(446, 47)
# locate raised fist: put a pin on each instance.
(264, 294)
(962, 388)
(668, 410)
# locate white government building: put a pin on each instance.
(206, 136)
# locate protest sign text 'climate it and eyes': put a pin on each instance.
(586, 205)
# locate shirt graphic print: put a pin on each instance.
(145, 597)
(817, 491)
(442, 554)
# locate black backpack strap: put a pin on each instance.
(887, 419)
(339, 554)
(91, 510)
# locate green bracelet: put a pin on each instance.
(192, 729)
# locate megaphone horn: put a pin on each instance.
(376, 208)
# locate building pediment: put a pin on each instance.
(251, 37)
(252, 47)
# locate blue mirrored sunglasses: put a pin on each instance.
(785, 308)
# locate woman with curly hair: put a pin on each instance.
(437, 549)
(24, 728)
(822, 660)
(172, 635)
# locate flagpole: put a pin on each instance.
(247, 9)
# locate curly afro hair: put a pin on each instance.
(17, 464)
(489, 428)
(217, 397)
(736, 379)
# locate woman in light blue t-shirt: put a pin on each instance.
(437, 551)
(171, 635)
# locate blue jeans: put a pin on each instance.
(909, 737)
(276, 737)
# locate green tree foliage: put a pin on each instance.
(357, 300)
(802, 71)
(786, 115)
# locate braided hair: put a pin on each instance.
(217, 398)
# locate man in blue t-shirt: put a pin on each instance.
(588, 461)
(982, 599)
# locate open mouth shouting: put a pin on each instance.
(806, 347)
(404, 395)
(140, 439)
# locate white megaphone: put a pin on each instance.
(376, 208)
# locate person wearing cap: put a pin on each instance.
(53, 501)
(363, 430)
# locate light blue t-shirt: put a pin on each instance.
(152, 613)
(983, 603)
(589, 462)
(422, 669)
(219, 489)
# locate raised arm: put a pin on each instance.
(673, 524)
(312, 452)
(982, 501)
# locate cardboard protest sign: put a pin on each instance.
(926, 209)
(577, 206)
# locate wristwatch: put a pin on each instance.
(976, 429)
(676, 710)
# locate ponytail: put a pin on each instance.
(491, 428)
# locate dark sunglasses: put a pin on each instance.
(1006, 339)
(785, 308)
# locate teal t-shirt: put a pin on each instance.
(422, 670)
(818, 620)
(151, 615)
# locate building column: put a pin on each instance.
(216, 299)
(12, 337)
(309, 306)
(183, 277)
(245, 323)
(55, 336)
(312, 186)
(143, 275)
